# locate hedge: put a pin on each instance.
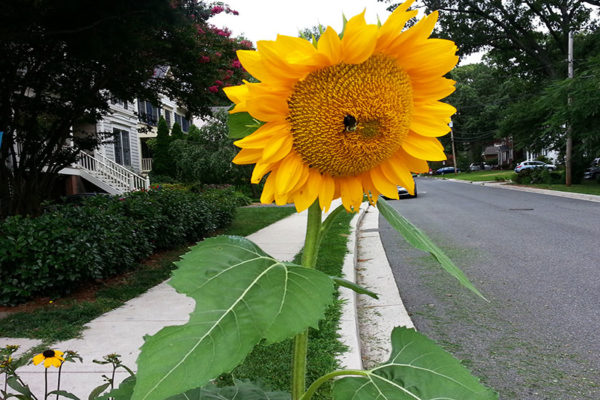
(70, 244)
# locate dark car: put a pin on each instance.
(593, 171)
(446, 170)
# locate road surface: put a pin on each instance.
(535, 257)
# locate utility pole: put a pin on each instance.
(453, 151)
(569, 149)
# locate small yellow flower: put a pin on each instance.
(50, 358)
(353, 115)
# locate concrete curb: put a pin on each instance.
(348, 329)
(377, 317)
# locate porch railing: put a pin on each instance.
(112, 173)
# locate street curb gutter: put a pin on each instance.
(348, 329)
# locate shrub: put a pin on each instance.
(539, 175)
(103, 236)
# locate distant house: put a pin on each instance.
(500, 153)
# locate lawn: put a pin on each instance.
(481, 176)
(585, 187)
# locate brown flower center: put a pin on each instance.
(348, 118)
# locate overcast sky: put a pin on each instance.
(264, 19)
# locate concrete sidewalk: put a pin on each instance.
(122, 330)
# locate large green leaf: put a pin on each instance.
(241, 391)
(242, 296)
(241, 125)
(418, 369)
(421, 241)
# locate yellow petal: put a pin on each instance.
(394, 25)
(432, 89)
(38, 359)
(351, 192)
(268, 194)
(383, 184)
(266, 104)
(425, 148)
(248, 156)
(238, 95)
(434, 58)
(413, 164)
(413, 37)
(308, 193)
(278, 148)
(264, 134)
(369, 188)
(326, 192)
(399, 174)
(432, 119)
(329, 47)
(288, 174)
(359, 40)
(260, 170)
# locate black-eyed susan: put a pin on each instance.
(50, 358)
(351, 115)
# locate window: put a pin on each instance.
(148, 113)
(178, 119)
(122, 147)
(168, 117)
(185, 124)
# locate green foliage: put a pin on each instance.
(539, 175)
(420, 241)
(243, 296)
(242, 124)
(418, 369)
(205, 157)
(176, 132)
(162, 162)
(77, 58)
(69, 244)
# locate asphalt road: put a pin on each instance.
(537, 260)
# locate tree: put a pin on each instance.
(162, 163)
(64, 61)
(176, 132)
(528, 37)
(479, 100)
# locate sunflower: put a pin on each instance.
(346, 116)
(50, 358)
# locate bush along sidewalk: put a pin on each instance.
(103, 236)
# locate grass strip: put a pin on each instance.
(64, 319)
(252, 218)
(271, 365)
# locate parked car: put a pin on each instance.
(532, 165)
(403, 193)
(593, 171)
(446, 170)
(479, 167)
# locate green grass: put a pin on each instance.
(64, 319)
(272, 364)
(481, 176)
(251, 219)
(587, 187)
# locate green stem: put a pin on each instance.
(45, 383)
(309, 258)
(316, 384)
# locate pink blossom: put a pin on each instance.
(219, 83)
(216, 10)
(204, 59)
(213, 89)
(246, 43)
(235, 12)
(218, 53)
(236, 64)
(200, 31)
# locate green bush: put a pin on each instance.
(539, 175)
(103, 236)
